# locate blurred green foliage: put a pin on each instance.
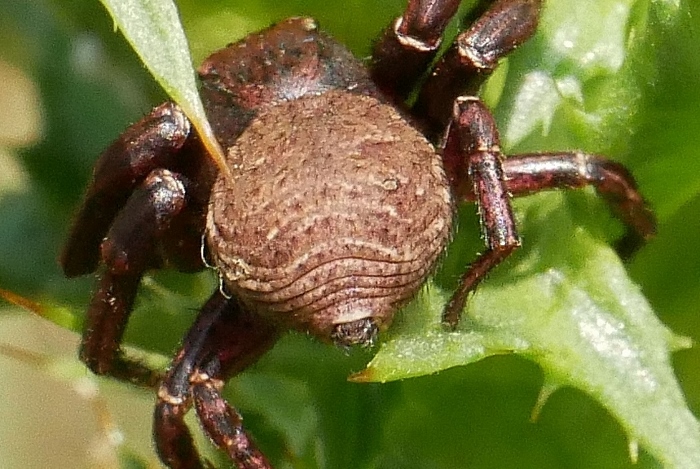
(296, 401)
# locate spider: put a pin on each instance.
(339, 202)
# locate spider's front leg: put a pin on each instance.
(132, 214)
(474, 55)
(406, 48)
(408, 45)
(151, 143)
(224, 340)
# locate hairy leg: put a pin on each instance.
(224, 340)
(478, 171)
(478, 159)
(408, 45)
(153, 142)
(127, 251)
(473, 56)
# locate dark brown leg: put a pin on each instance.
(474, 56)
(409, 44)
(536, 172)
(490, 180)
(151, 143)
(224, 340)
(224, 425)
(105, 324)
(172, 437)
(127, 251)
(473, 133)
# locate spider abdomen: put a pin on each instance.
(330, 217)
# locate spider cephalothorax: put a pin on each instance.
(339, 201)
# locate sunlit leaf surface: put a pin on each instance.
(613, 77)
(153, 29)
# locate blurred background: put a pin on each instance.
(70, 85)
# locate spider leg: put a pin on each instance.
(224, 340)
(530, 173)
(474, 132)
(407, 46)
(223, 424)
(137, 216)
(148, 144)
(473, 56)
(127, 251)
(491, 180)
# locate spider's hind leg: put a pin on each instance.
(224, 340)
(473, 155)
(529, 173)
(137, 215)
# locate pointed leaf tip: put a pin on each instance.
(548, 388)
(59, 315)
(154, 30)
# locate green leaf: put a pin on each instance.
(586, 325)
(153, 28)
(566, 301)
(638, 105)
